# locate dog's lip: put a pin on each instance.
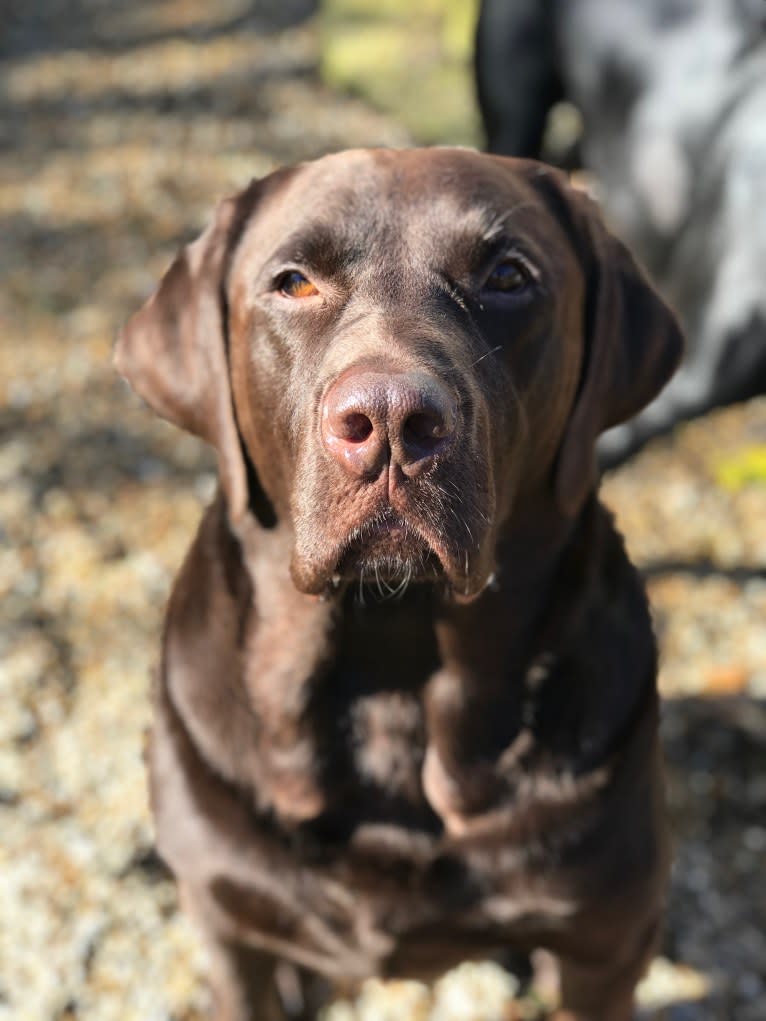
(349, 564)
(393, 541)
(389, 527)
(390, 547)
(387, 542)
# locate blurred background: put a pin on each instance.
(121, 124)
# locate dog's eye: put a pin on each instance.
(509, 275)
(296, 285)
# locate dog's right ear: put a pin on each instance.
(173, 351)
(633, 345)
(631, 340)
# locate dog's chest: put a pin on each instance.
(387, 741)
(370, 883)
(390, 898)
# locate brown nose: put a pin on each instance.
(368, 417)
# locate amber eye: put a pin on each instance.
(295, 285)
(508, 275)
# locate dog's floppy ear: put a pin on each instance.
(173, 350)
(632, 344)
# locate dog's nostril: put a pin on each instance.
(353, 437)
(356, 428)
(369, 418)
(423, 429)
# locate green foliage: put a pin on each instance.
(413, 61)
(744, 468)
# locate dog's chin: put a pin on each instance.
(388, 555)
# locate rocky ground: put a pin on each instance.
(119, 126)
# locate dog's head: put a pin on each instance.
(398, 349)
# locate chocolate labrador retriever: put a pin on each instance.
(406, 710)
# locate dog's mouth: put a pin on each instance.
(439, 530)
(388, 552)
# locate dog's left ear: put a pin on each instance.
(633, 343)
(173, 350)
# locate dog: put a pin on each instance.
(406, 711)
(673, 102)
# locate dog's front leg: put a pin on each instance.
(242, 982)
(605, 990)
(242, 978)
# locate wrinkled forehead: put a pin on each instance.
(356, 205)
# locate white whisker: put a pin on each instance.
(486, 355)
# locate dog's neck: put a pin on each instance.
(460, 661)
(480, 702)
(493, 629)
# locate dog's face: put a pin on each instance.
(391, 324)
(405, 346)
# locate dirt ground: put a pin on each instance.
(120, 125)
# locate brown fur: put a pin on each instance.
(366, 785)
